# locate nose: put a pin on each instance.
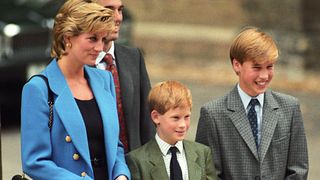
(182, 123)
(99, 46)
(118, 16)
(264, 74)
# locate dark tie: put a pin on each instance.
(175, 170)
(112, 68)
(252, 116)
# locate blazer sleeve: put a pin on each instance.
(35, 135)
(147, 127)
(297, 167)
(121, 167)
(207, 135)
(210, 169)
(134, 167)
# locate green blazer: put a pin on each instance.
(146, 162)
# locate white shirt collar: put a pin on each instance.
(245, 98)
(111, 50)
(164, 147)
(103, 53)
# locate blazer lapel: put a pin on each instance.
(67, 110)
(158, 172)
(157, 166)
(126, 81)
(270, 118)
(108, 111)
(238, 117)
(194, 169)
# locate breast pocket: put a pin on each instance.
(279, 150)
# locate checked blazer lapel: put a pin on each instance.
(270, 118)
(238, 117)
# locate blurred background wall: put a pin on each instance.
(295, 24)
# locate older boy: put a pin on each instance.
(168, 155)
(255, 133)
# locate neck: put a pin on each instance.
(107, 46)
(71, 70)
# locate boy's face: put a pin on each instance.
(173, 125)
(254, 77)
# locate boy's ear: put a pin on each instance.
(236, 65)
(155, 117)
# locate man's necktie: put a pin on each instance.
(112, 68)
(175, 170)
(252, 116)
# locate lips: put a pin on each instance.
(181, 133)
(116, 29)
(262, 84)
(94, 56)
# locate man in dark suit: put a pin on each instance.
(134, 83)
(255, 133)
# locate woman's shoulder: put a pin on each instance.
(35, 87)
(37, 80)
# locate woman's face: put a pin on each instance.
(86, 47)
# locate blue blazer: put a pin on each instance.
(63, 152)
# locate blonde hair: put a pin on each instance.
(76, 17)
(169, 95)
(253, 44)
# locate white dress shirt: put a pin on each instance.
(181, 156)
(100, 64)
(245, 98)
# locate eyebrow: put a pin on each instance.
(112, 7)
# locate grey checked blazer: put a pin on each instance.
(223, 125)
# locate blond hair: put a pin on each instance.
(169, 95)
(253, 44)
(76, 17)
